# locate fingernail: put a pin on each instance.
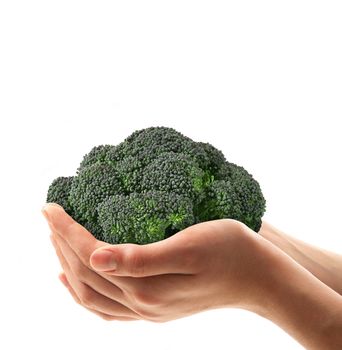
(54, 205)
(47, 205)
(45, 213)
(45, 210)
(104, 260)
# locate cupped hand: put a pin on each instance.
(209, 265)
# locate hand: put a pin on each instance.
(209, 265)
(323, 264)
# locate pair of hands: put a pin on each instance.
(210, 265)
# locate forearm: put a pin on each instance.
(325, 265)
(297, 301)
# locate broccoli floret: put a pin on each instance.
(175, 173)
(99, 154)
(131, 171)
(213, 159)
(236, 195)
(148, 144)
(154, 184)
(58, 192)
(92, 186)
(240, 201)
(144, 218)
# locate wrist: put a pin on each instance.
(277, 238)
(323, 264)
(296, 301)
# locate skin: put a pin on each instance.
(216, 264)
(323, 264)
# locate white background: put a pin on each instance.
(261, 80)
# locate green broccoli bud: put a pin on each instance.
(58, 192)
(144, 218)
(148, 144)
(130, 171)
(237, 197)
(99, 154)
(92, 186)
(213, 159)
(175, 173)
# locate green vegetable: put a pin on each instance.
(154, 184)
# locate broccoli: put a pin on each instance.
(59, 191)
(144, 217)
(154, 184)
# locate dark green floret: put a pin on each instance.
(92, 186)
(154, 184)
(59, 192)
(175, 173)
(144, 217)
(99, 154)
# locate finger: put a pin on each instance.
(104, 316)
(89, 297)
(176, 254)
(79, 239)
(88, 276)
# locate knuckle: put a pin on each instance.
(79, 270)
(190, 260)
(146, 314)
(87, 297)
(142, 297)
(190, 256)
(77, 300)
(107, 317)
(158, 319)
(134, 261)
(83, 261)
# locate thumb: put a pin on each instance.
(164, 257)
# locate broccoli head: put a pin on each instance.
(154, 184)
